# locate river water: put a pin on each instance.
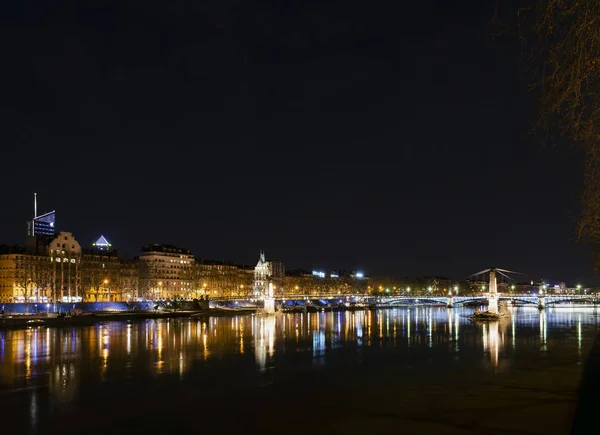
(410, 370)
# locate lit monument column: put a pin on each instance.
(493, 296)
(269, 300)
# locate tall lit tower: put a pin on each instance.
(41, 225)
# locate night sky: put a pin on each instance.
(391, 137)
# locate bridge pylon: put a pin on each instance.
(493, 295)
(541, 302)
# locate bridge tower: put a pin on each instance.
(493, 294)
(493, 290)
(541, 302)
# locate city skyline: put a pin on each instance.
(398, 146)
(102, 243)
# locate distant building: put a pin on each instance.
(43, 225)
(102, 244)
(40, 230)
(277, 269)
(167, 271)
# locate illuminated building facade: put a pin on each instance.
(221, 279)
(261, 276)
(102, 280)
(266, 272)
(65, 257)
(50, 276)
(24, 277)
(101, 275)
(167, 271)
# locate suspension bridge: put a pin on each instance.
(490, 298)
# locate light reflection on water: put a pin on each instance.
(63, 361)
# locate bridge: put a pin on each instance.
(396, 301)
(428, 300)
(537, 300)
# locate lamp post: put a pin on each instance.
(107, 288)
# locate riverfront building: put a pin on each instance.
(101, 273)
(54, 273)
(221, 279)
(167, 271)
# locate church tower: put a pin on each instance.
(261, 275)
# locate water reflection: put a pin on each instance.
(264, 329)
(61, 361)
(492, 341)
(543, 333)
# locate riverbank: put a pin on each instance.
(30, 320)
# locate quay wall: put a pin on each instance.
(99, 307)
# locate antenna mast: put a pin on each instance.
(34, 214)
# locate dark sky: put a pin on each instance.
(391, 137)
